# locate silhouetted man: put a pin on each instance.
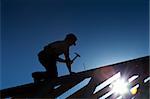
(50, 55)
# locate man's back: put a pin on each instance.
(57, 48)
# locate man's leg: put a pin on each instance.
(49, 63)
(44, 60)
(52, 69)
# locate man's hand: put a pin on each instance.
(70, 62)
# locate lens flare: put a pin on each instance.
(120, 87)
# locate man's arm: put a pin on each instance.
(68, 61)
(61, 60)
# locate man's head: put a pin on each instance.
(71, 39)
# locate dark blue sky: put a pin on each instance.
(108, 31)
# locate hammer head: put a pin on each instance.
(77, 54)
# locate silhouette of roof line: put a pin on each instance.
(74, 79)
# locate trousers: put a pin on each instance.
(49, 63)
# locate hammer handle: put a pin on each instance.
(74, 58)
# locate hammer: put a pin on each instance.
(77, 55)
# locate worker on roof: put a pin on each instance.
(51, 52)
